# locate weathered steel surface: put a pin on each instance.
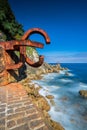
(20, 45)
(22, 49)
(11, 45)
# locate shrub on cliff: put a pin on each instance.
(8, 24)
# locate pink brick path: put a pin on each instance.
(17, 112)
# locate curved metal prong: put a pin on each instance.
(23, 49)
(35, 64)
(36, 30)
(14, 66)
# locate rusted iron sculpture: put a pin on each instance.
(20, 45)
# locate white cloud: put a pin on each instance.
(66, 57)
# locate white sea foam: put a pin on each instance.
(43, 92)
(50, 76)
(61, 117)
(66, 80)
(64, 111)
(62, 72)
(83, 85)
(71, 74)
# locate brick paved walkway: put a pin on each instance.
(17, 112)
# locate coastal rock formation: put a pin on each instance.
(49, 96)
(41, 103)
(5, 76)
(35, 73)
(39, 100)
(83, 93)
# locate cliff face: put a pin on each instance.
(32, 54)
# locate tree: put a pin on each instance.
(8, 24)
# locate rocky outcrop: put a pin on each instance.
(49, 96)
(32, 54)
(5, 76)
(35, 73)
(83, 93)
(41, 103)
(8, 76)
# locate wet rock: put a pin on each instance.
(52, 102)
(43, 104)
(85, 117)
(56, 125)
(83, 93)
(43, 69)
(40, 101)
(64, 98)
(37, 87)
(66, 68)
(49, 96)
(66, 73)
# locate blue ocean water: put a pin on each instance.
(79, 69)
(67, 107)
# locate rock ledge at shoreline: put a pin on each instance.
(83, 93)
(33, 91)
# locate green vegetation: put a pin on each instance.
(8, 24)
(10, 29)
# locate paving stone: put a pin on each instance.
(31, 111)
(34, 116)
(10, 111)
(27, 103)
(17, 115)
(14, 105)
(20, 109)
(2, 110)
(22, 120)
(36, 124)
(17, 112)
(2, 106)
(2, 115)
(43, 128)
(2, 128)
(2, 122)
(22, 127)
(11, 123)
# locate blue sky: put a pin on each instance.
(65, 21)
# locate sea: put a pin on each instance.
(68, 107)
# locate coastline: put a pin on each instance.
(40, 101)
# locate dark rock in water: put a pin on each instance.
(83, 93)
(66, 68)
(64, 98)
(56, 125)
(67, 74)
(52, 102)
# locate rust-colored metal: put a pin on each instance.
(36, 30)
(22, 49)
(12, 45)
(20, 45)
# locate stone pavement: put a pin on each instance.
(17, 112)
